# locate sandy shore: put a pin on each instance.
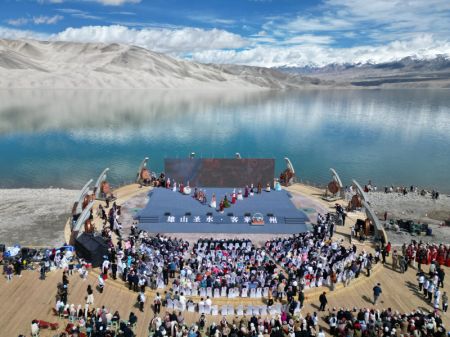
(411, 206)
(34, 216)
(420, 209)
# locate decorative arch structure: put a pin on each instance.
(287, 177)
(76, 229)
(98, 183)
(141, 167)
(380, 233)
(335, 186)
(360, 191)
(78, 205)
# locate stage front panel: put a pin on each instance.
(214, 172)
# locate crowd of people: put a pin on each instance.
(375, 322)
(425, 253)
(313, 259)
(143, 260)
(95, 322)
(225, 268)
(279, 271)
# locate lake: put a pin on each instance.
(63, 138)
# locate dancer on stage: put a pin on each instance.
(226, 203)
(221, 206)
(213, 203)
(277, 186)
(239, 195)
(233, 197)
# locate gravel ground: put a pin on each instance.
(420, 209)
(34, 216)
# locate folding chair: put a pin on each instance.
(214, 310)
(240, 310)
(224, 310)
(230, 309)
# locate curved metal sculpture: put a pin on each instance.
(100, 180)
(83, 217)
(238, 155)
(335, 186)
(359, 198)
(141, 167)
(289, 164)
(287, 177)
(78, 205)
(378, 228)
(360, 191)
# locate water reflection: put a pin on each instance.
(62, 138)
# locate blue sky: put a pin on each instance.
(255, 32)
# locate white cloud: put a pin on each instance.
(308, 39)
(77, 13)
(220, 46)
(15, 34)
(17, 22)
(47, 20)
(173, 41)
(311, 24)
(421, 46)
(380, 20)
(37, 20)
(117, 2)
(103, 2)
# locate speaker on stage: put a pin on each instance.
(2, 248)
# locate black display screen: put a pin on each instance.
(214, 172)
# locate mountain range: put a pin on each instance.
(407, 72)
(69, 65)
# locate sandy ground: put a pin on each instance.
(411, 206)
(420, 209)
(34, 216)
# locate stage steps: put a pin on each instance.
(149, 219)
(294, 221)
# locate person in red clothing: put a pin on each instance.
(45, 325)
(441, 255)
(388, 248)
(447, 259)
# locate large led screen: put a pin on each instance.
(212, 172)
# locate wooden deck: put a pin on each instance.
(27, 298)
(122, 194)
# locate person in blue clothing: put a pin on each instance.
(376, 293)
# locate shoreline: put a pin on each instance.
(37, 217)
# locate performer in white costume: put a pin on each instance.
(239, 195)
(213, 203)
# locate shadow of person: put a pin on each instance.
(411, 286)
(315, 306)
(367, 299)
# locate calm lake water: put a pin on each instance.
(63, 138)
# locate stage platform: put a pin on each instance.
(173, 212)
